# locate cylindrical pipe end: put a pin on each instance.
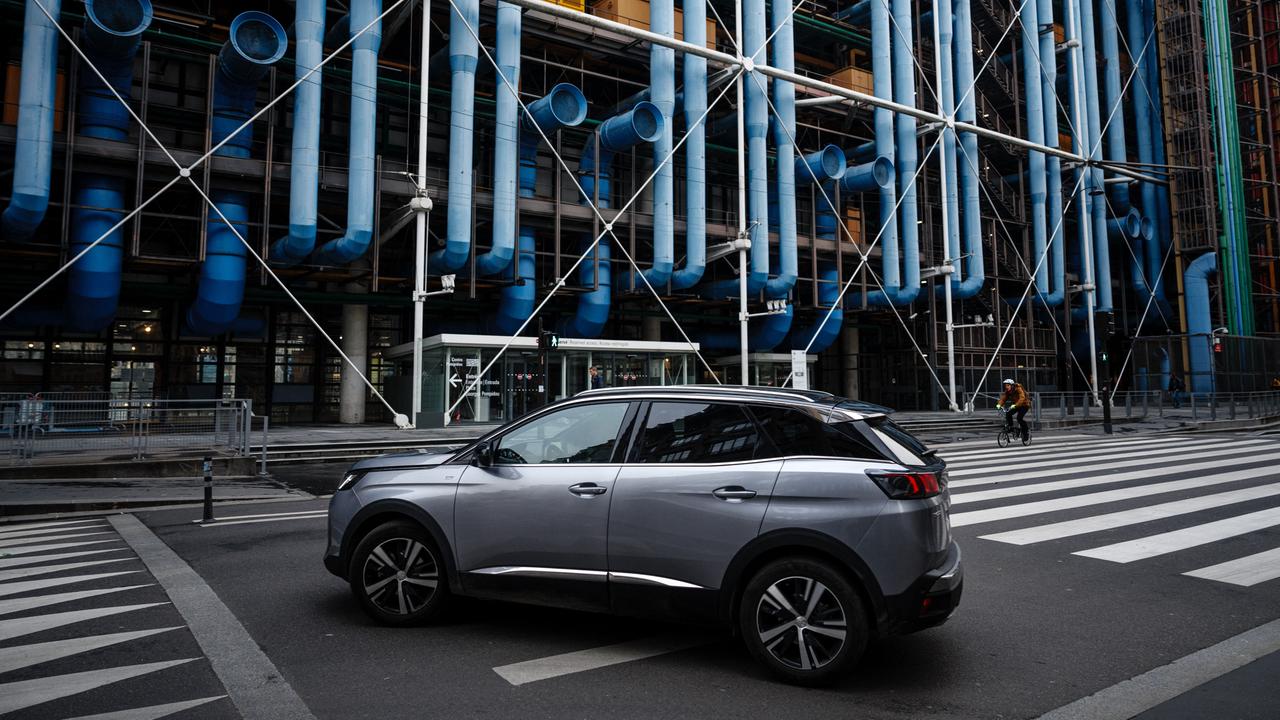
(255, 42)
(114, 26)
(642, 123)
(825, 164)
(872, 175)
(564, 106)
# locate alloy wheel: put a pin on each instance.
(400, 576)
(801, 623)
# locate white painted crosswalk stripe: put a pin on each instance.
(51, 523)
(27, 693)
(268, 515)
(1126, 458)
(1107, 479)
(37, 559)
(7, 575)
(318, 515)
(153, 712)
(29, 549)
(7, 534)
(1110, 521)
(1074, 450)
(16, 605)
(21, 656)
(1246, 571)
(18, 627)
(16, 588)
(27, 541)
(1164, 543)
(1248, 454)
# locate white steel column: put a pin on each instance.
(1088, 284)
(421, 204)
(949, 265)
(355, 343)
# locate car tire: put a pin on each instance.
(803, 620)
(397, 575)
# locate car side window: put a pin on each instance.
(683, 432)
(577, 434)
(798, 433)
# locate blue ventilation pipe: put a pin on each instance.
(1055, 291)
(1094, 185)
(695, 150)
(662, 85)
(1151, 67)
(784, 129)
(112, 30)
(1199, 321)
(33, 151)
(256, 42)
(904, 92)
(642, 123)
(506, 138)
(756, 119)
(1037, 177)
(564, 106)
(463, 57)
(971, 217)
(1117, 150)
(1144, 120)
(361, 135)
(944, 56)
(308, 31)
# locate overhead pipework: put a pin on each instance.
(506, 140)
(33, 151)
(693, 100)
(1200, 321)
(464, 24)
(308, 32)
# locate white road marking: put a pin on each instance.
(29, 526)
(21, 656)
(37, 559)
(1035, 451)
(6, 534)
(27, 550)
(1006, 512)
(1097, 523)
(15, 588)
(19, 695)
(1093, 480)
(29, 540)
(1125, 458)
(18, 627)
(7, 575)
(153, 712)
(266, 515)
(582, 660)
(1149, 466)
(1169, 542)
(220, 523)
(1246, 571)
(8, 607)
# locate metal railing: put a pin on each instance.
(1141, 404)
(112, 428)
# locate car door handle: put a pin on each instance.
(733, 492)
(587, 489)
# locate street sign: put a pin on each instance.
(799, 370)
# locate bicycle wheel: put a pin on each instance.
(1003, 438)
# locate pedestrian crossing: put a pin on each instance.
(1129, 500)
(82, 630)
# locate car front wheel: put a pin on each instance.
(803, 620)
(397, 575)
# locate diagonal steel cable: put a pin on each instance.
(915, 56)
(1137, 331)
(991, 58)
(1142, 270)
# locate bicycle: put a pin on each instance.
(1008, 431)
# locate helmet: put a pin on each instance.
(1007, 381)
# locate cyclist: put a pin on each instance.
(1016, 402)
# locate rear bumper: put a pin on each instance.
(932, 598)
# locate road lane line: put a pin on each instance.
(1045, 463)
(1006, 512)
(221, 523)
(258, 690)
(1097, 523)
(1093, 480)
(14, 588)
(1165, 543)
(1138, 694)
(1149, 465)
(10, 629)
(266, 515)
(1245, 572)
(37, 559)
(27, 541)
(21, 656)
(8, 607)
(7, 575)
(153, 712)
(19, 695)
(546, 668)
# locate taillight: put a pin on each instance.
(908, 485)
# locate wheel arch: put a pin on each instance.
(383, 511)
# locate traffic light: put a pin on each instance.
(548, 340)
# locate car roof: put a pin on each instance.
(741, 393)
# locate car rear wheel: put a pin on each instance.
(397, 575)
(803, 620)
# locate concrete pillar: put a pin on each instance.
(355, 343)
(651, 328)
(849, 347)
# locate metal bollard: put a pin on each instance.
(1128, 405)
(208, 489)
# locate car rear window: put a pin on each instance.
(906, 448)
(797, 433)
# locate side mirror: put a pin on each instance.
(484, 454)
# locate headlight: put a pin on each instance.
(349, 479)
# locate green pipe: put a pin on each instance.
(826, 28)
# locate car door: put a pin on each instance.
(692, 493)
(532, 526)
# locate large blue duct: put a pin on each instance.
(695, 150)
(256, 42)
(971, 217)
(1037, 178)
(904, 93)
(784, 129)
(1144, 121)
(1055, 291)
(308, 30)
(642, 123)
(1093, 179)
(564, 106)
(33, 151)
(361, 134)
(506, 138)
(944, 56)
(1117, 151)
(827, 328)
(1199, 321)
(463, 57)
(662, 85)
(112, 30)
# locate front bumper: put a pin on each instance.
(932, 598)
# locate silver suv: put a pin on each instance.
(807, 522)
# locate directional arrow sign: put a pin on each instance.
(453, 381)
